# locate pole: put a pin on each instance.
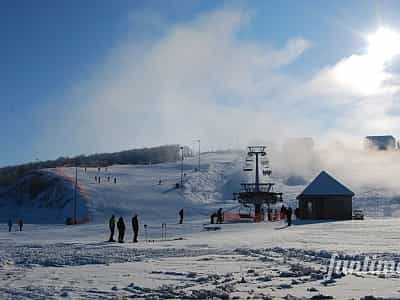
(257, 175)
(199, 155)
(76, 183)
(182, 168)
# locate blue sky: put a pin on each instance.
(60, 59)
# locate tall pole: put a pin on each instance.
(76, 183)
(257, 175)
(182, 168)
(199, 155)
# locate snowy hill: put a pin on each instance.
(46, 196)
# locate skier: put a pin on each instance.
(108, 178)
(95, 178)
(9, 225)
(289, 216)
(219, 216)
(121, 230)
(20, 223)
(112, 228)
(181, 216)
(160, 182)
(99, 179)
(135, 227)
(115, 180)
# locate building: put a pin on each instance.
(379, 142)
(326, 198)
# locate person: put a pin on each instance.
(112, 228)
(297, 213)
(289, 216)
(95, 178)
(108, 178)
(181, 216)
(135, 227)
(20, 223)
(282, 215)
(219, 216)
(213, 216)
(99, 179)
(160, 182)
(9, 225)
(121, 230)
(115, 180)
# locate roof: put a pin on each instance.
(325, 184)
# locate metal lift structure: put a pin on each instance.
(258, 194)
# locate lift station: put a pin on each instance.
(257, 194)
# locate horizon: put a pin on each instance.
(79, 79)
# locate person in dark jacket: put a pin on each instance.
(112, 228)
(289, 216)
(121, 230)
(212, 217)
(20, 223)
(219, 216)
(181, 216)
(135, 227)
(9, 225)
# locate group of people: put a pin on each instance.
(135, 227)
(217, 215)
(98, 179)
(121, 229)
(286, 213)
(10, 224)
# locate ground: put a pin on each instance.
(49, 260)
(238, 261)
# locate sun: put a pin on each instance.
(383, 45)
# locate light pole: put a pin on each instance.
(199, 155)
(76, 183)
(181, 168)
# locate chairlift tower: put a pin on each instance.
(257, 194)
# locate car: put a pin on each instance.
(358, 214)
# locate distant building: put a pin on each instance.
(380, 142)
(326, 198)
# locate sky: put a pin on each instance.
(82, 77)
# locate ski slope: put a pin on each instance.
(269, 260)
(138, 191)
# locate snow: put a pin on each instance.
(258, 261)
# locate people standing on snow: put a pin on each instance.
(121, 230)
(181, 216)
(135, 227)
(289, 216)
(283, 212)
(219, 216)
(20, 223)
(9, 225)
(212, 217)
(111, 224)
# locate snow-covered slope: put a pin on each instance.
(137, 188)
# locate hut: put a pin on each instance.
(326, 198)
(379, 142)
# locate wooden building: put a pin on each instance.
(326, 198)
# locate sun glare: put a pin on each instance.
(383, 45)
(365, 73)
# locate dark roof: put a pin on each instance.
(325, 184)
